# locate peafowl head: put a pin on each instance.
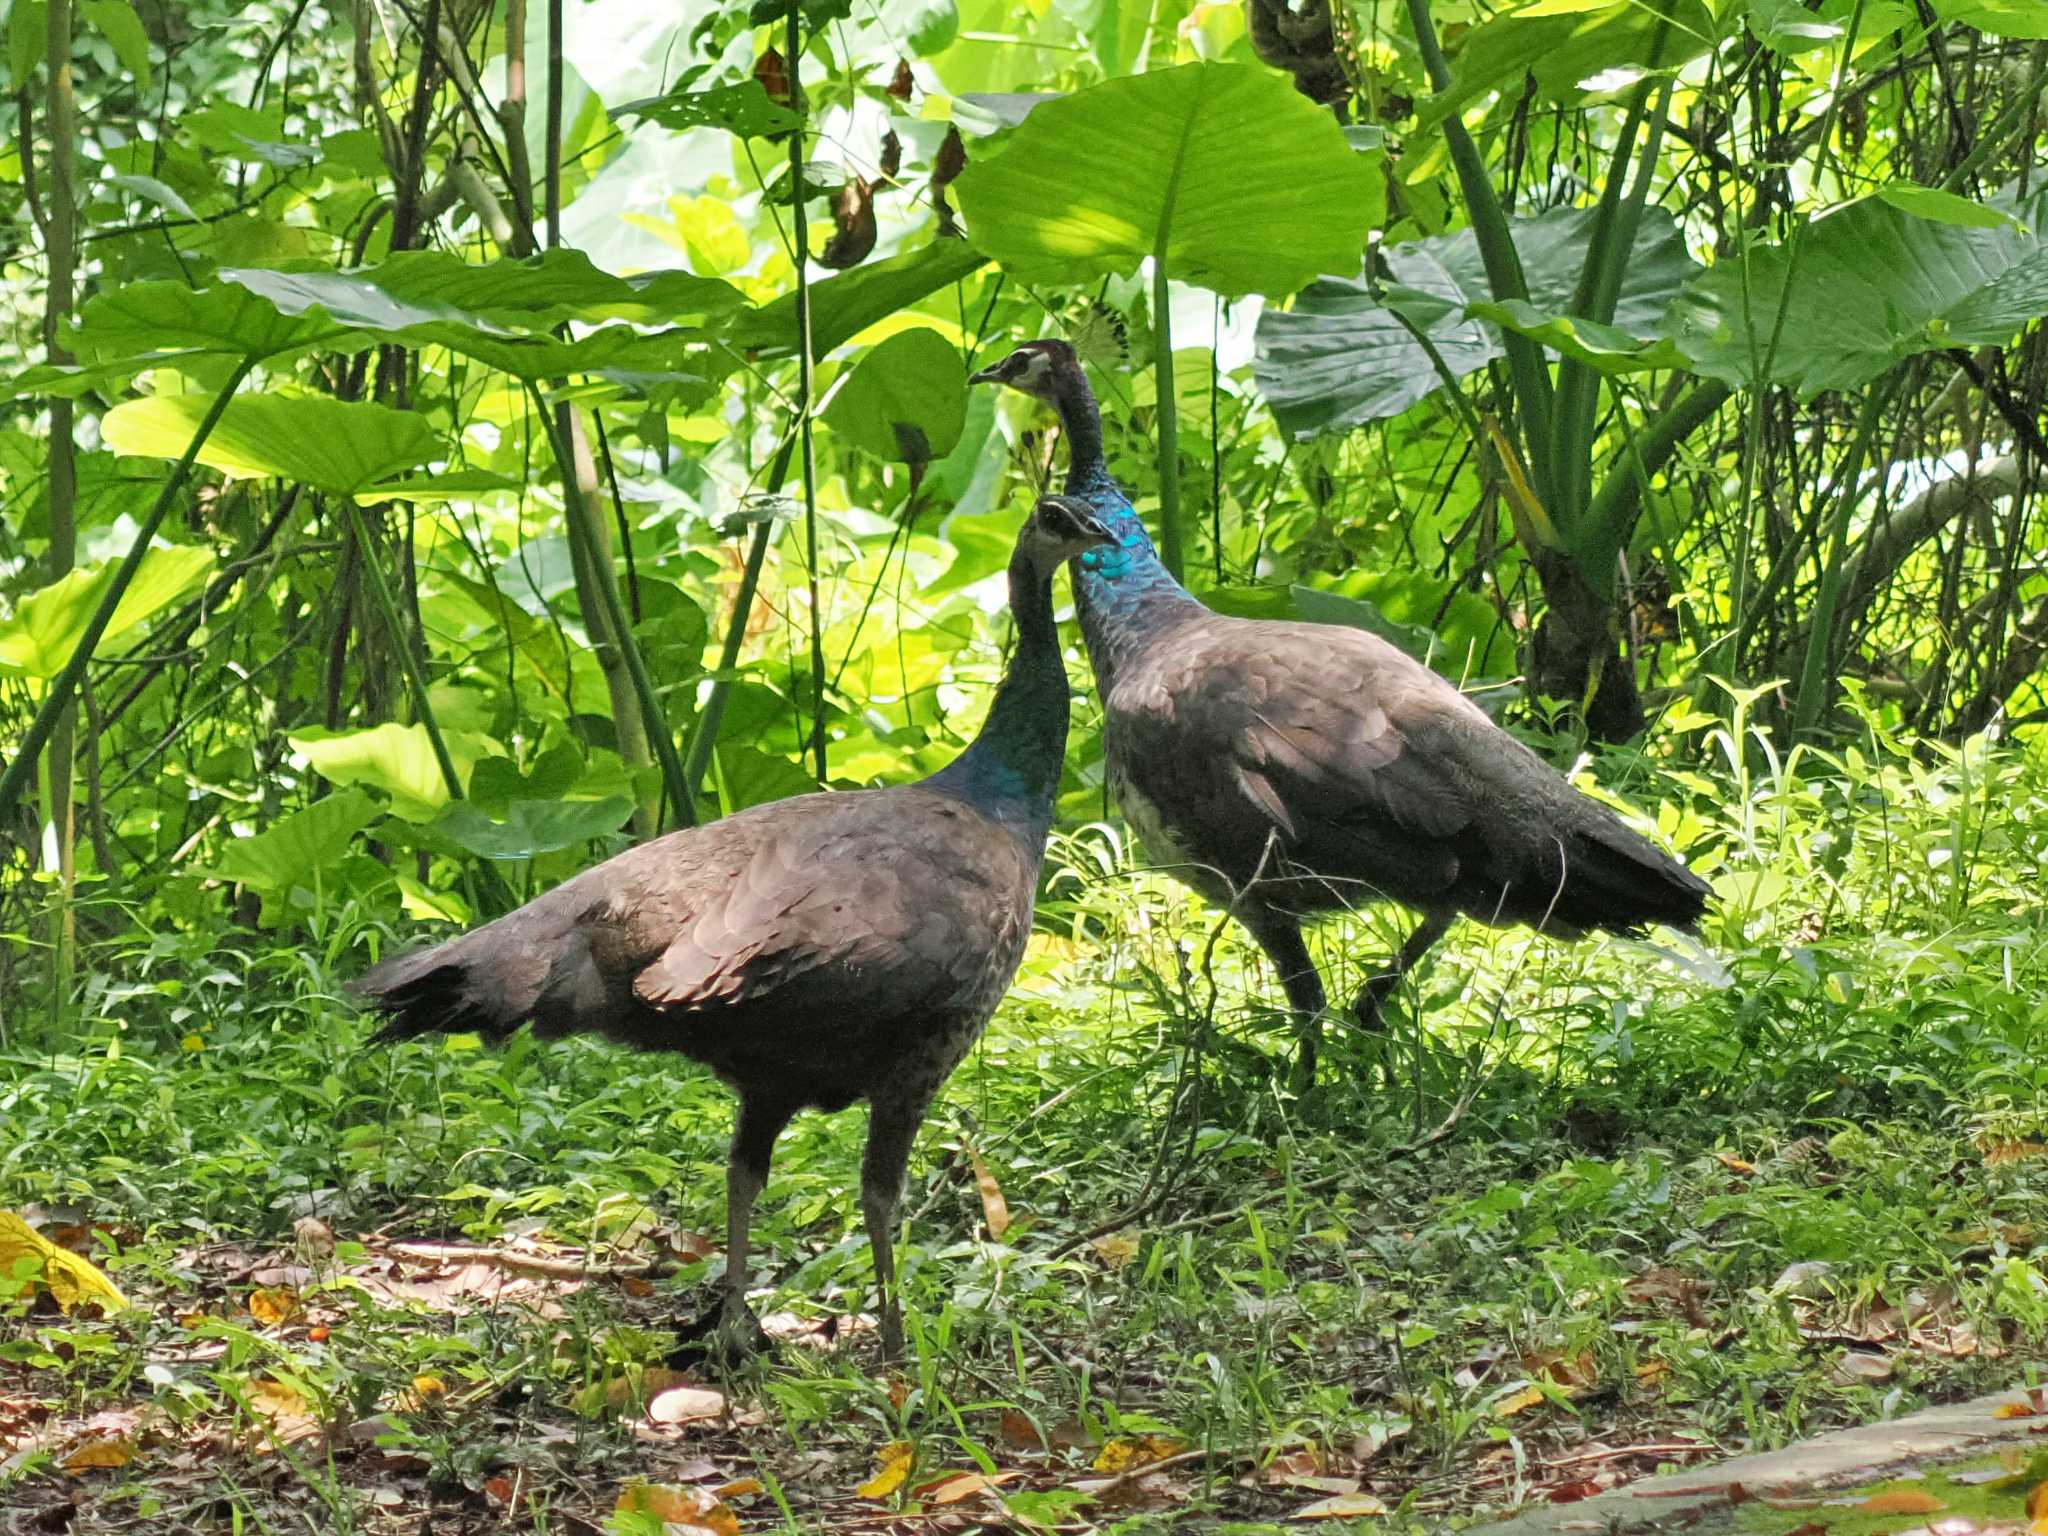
(1059, 528)
(1036, 368)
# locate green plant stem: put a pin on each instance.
(401, 642)
(1504, 277)
(1613, 506)
(1171, 549)
(1806, 707)
(28, 750)
(704, 735)
(614, 614)
(800, 228)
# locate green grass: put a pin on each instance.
(1295, 1282)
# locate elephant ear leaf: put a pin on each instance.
(1224, 170)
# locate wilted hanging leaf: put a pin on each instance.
(696, 1511)
(1127, 1452)
(892, 155)
(678, 1405)
(892, 1466)
(1344, 1506)
(1902, 1501)
(70, 1279)
(94, 1455)
(772, 70)
(994, 1208)
(901, 82)
(271, 1305)
(951, 159)
(853, 218)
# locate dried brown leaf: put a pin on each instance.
(107, 1452)
(1126, 1453)
(1902, 1501)
(680, 1404)
(696, 1510)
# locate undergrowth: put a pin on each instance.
(1620, 1192)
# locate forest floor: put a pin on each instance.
(1618, 1209)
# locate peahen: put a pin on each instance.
(811, 952)
(1288, 769)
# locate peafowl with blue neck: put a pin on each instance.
(812, 952)
(1290, 770)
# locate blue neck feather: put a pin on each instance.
(1124, 593)
(1011, 771)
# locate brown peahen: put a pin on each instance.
(1296, 769)
(811, 952)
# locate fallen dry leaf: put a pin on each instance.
(1901, 1501)
(1117, 1249)
(1863, 1365)
(271, 1305)
(1345, 1506)
(1516, 1402)
(72, 1281)
(739, 1488)
(995, 1209)
(2010, 1151)
(2013, 1411)
(1811, 1528)
(1127, 1452)
(1735, 1164)
(683, 1511)
(283, 1408)
(1572, 1492)
(1018, 1432)
(2037, 1509)
(678, 1405)
(892, 1466)
(94, 1455)
(955, 1486)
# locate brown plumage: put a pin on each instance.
(1288, 770)
(811, 952)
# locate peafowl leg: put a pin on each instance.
(1280, 937)
(746, 1172)
(1380, 986)
(892, 1127)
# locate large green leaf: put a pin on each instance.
(1245, 184)
(398, 759)
(531, 827)
(141, 320)
(1339, 357)
(333, 445)
(1565, 50)
(906, 399)
(2004, 18)
(844, 306)
(293, 848)
(46, 626)
(1870, 285)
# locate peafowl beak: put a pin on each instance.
(1069, 527)
(992, 374)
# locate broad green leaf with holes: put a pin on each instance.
(1243, 184)
(332, 445)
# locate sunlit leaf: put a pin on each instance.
(906, 399)
(530, 827)
(297, 846)
(46, 626)
(1095, 182)
(844, 305)
(398, 759)
(1127, 1452)
(743, 109)
(333, 445)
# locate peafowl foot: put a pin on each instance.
(724, 1336)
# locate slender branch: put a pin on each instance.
(29, 748)
(799, 223)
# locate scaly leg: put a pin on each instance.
(1280, 937)
(1374, 994)
(746, 1171)
(892, 1127)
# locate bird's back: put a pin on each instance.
(818, 944)
(1335, 761)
